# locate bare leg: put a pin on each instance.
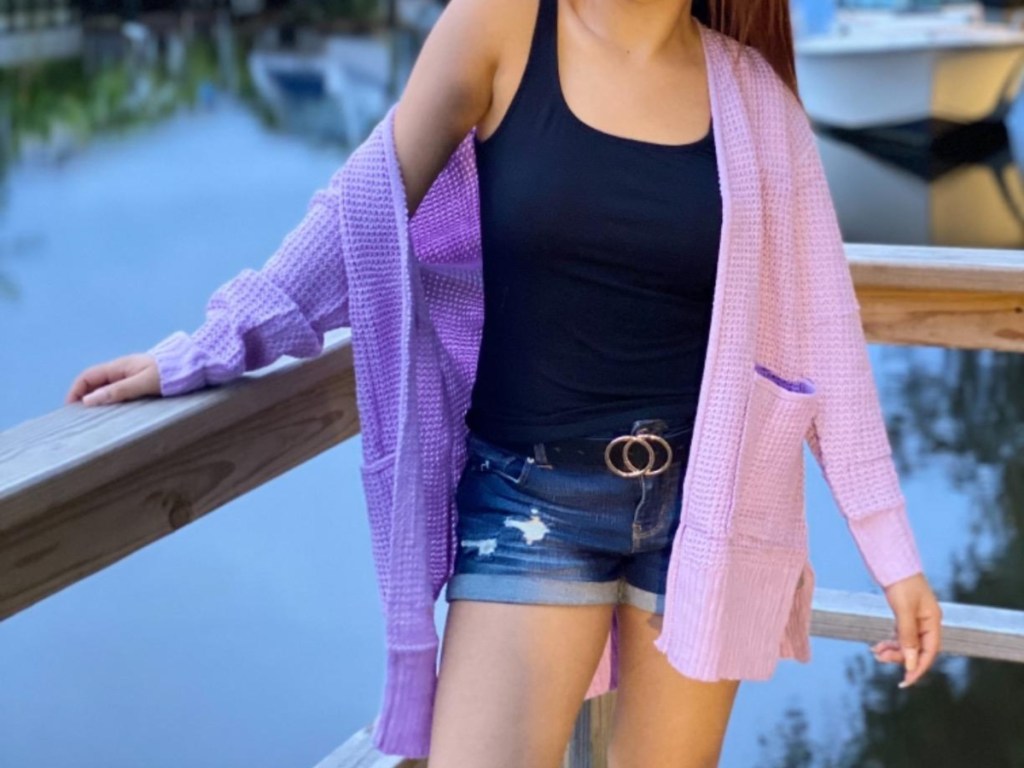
(662, 718)
(512, 680)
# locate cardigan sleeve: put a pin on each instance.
(284, 308)
(847, 435)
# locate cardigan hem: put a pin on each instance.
(736, 617)
(406, 713)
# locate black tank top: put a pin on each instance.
(599, 265)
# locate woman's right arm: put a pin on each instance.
(285, 307)
(449, 89)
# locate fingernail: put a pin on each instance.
(910, 654)
(903, 684)
(99, 397)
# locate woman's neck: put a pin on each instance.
(642, 30)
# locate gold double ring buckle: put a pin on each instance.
(629, 441)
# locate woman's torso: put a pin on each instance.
(599, 262)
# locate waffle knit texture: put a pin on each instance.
(786, 365)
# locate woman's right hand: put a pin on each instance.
(121, 379)
(917, 631)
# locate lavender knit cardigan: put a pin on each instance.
(786, 364)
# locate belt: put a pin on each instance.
(648, 449)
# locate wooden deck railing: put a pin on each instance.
(80, 488)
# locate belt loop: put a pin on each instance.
(655, 425)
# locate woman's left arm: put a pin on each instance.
(259, 315)
(848, 436)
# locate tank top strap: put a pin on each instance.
(539, 78)
(545, 34)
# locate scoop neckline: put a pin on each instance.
(706, 138)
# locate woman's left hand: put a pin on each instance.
(917, 637)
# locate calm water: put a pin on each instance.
(253, 636)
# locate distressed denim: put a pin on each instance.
(570, 535)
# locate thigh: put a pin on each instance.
(512, 680)
(662, 718)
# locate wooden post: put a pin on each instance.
(589, 742)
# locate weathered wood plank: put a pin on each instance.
(80, 487)
(954, 319)
(967, 630)
(588, 745)
(947, 297)
(932, 268)
(359, 752)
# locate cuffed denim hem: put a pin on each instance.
(642, 598)
(514, 588)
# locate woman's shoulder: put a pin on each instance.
(773, 109)
(751, 67)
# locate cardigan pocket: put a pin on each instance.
(768, 495)
(378, 477)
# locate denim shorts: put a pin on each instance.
(567, 535)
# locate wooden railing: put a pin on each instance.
(81, 488)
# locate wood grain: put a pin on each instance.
(359, 752)
(967, 630)
(946, 297)
(83, 487)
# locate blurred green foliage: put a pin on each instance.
(352, 15)
(65, 95)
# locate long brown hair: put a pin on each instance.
(762, 24)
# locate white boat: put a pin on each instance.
(927, 72)
(334, 89)
(337, 86)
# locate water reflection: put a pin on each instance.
(958, 410)
(967, 414)
(335, 92)
(882, 200)
(293, 71)
(127, 76)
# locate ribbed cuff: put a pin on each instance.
(178, 364)
(887, 546)
(403, 725)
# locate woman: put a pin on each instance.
(606, 415)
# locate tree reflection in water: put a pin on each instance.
(51, 109)
(965, 712)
